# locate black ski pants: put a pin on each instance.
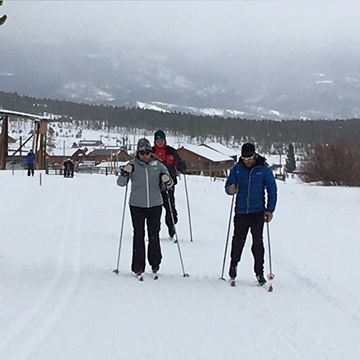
(168, 219)
(152, 216)
(68, 171)
(242, 224)
(30, 170)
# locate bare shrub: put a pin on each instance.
(337, 164)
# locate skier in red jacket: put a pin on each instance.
(169, 156)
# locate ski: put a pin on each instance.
(155, 272)
(267, 287)
(139, 277)
(3, 19)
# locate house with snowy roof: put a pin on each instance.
(90, 143)
(108, 154)
(202, 160)
(58, 155)
(222, 149)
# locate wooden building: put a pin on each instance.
(57, 156)
(108, 154)
(201, 160)
(90, 143)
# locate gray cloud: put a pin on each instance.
(228, 53)
(205, 25)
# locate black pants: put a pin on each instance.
(168, 219)
(68, 171)
(30, 170)
(152, 216)
(242, 224)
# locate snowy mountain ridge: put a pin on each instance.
(126, 76)
(164, 107)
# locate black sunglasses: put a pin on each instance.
(144, 152)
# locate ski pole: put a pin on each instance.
(227, 237)
(188, 206)
(176, 236)
(271, 274)
(116, 271)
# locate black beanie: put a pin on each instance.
(159, 135)
(247, 150)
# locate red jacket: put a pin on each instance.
(169, 156)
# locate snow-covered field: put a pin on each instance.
(60, 299)
(66, 135)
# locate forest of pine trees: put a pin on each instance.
(266, 133)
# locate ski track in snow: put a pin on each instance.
(200, 317)
(33, 326)
(319, 290)
(269, 320)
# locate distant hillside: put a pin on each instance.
(322, 83)
(264, 132)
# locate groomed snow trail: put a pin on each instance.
(60, 299)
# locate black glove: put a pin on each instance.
(268, 216)
(127, 169)
(232, 189)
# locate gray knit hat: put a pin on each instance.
(143, 145)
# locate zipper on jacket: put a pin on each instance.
(147, 187)
(248, 193)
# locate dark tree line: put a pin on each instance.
(290, 164)
(265, 133)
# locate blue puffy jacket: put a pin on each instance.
(30, 159)
(252, 183)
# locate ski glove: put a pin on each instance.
(166, 182)
(165, 178)
(268, 216)
(126, 170)
(232, 189)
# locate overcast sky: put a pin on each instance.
(204, 25)
(257, 51)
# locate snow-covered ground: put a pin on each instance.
(60, 299)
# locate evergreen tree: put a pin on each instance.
(290, 164)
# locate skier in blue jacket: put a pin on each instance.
(30, 159)
(248, 180)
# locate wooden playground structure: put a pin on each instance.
(38, 137)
